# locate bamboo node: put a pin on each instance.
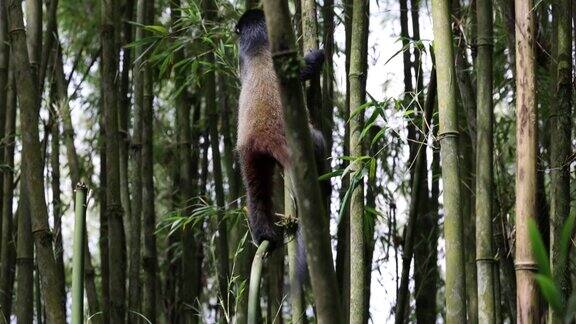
(17, 29)
(485, 41)
(447, 134)
(526, 265)
(489, 260)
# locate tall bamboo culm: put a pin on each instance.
(78, 257)
(114, 212)
(32, 177)
(484, 162)
(526, 140)
(560, 150)
(448, 137)
(357, 79)
(296, 290)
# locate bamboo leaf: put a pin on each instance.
(550, 291)
(330, 175)
(378, 136)
(360, 109)
(157, 29)
(539, 248)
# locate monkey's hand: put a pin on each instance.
(314, 61)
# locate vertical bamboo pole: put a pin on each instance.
(255, 275)
(526, 139)
(448, 136)
(484, 161)
(78, 257)
(560, 150)
(357, 78)
(296, 292)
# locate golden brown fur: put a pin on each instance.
(260, 121)
(261, 137)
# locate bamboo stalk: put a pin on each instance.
(78, 257)
(357, 79)
(526, 139)
(448, 136)
(255, 275)
(560, 150)
(484, 161)
(296, 292)
(32, 166)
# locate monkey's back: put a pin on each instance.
(260, 121)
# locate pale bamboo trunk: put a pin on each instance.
(526, 139)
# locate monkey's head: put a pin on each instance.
(252, 34)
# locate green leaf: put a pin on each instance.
(539, 248)
(550, 291)
(372, 168)
(329, 175)
(344, 207)
(360, 109)
(378, 136)
(366, 130)
(157, 29)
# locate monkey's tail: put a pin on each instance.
(301, 262)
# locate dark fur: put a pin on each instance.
(264, 145)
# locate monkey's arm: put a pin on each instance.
(314, 60)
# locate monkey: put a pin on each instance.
(261, 143)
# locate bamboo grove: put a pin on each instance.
(448, 136)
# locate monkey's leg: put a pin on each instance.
(258, 170)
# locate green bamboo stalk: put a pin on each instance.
(255, 276)
(448, 135)
(343, 233)
(560, 151)
(484, 161)
(310, 42)
(357, 79)
(78, 257)
(296, 291)
(527, 304)
(223, 268)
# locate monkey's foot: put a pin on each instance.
(273, 234)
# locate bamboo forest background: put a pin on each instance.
(448, 124)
